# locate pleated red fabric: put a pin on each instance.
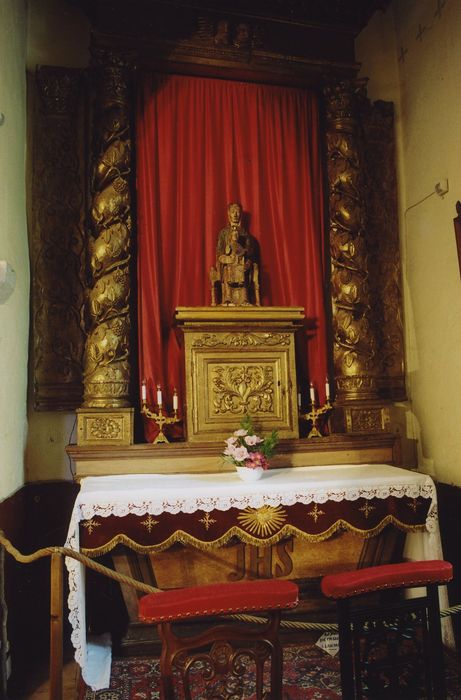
(202, 143)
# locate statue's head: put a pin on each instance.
(234, 213)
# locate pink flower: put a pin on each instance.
(240, 454)
(240, 432)
(230, 441)
(256, 460)
(253, 440)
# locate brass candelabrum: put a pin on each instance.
(160, 418)
(314, 415)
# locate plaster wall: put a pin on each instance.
(14, 311)
(421, 38)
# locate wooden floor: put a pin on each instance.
(70, 678)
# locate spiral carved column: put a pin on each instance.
(354, 344)
(106, 360)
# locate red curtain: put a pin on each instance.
(202, 143)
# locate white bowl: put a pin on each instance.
(247, 474)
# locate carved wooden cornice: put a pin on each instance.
(258, 40)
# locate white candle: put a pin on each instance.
(327, 389)
(299, 400)
(143, 391)
(175, 400)
(312, 393)
(159, 395)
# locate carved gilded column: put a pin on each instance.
(354, 343)
(107, 351)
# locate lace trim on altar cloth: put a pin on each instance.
(192, 503)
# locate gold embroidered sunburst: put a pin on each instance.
(90, 525)
(149, 523)
(207, 520)
(367, 509)
(262, 521)
(315, 513)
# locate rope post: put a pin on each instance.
(56, 644)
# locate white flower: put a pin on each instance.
(241, 432)
(230, 441)
(253, 440)
(240, 454)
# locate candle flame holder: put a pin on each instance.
(161, 421)
(314, 416)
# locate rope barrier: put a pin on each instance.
(71, 553)
(145, 588)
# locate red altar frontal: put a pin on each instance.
(150, 513)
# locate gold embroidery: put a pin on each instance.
(315, 513)
(262, 521)
(207, 520)
(414, 504)
(149, 523)
(366, 509)
(90, 525)
(181, 537)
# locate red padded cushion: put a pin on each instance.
(218, 598)
(374, 578)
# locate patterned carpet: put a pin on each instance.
(309, 674)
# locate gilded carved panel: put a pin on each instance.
(241, 367)
(383, 246)
(57, 240)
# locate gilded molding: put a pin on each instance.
(354, 350)
(57, 239)
(107, 352)
(242, 340)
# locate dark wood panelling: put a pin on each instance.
(449, 502)
(35, 516)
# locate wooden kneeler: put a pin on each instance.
(389, 646)
(223, 647)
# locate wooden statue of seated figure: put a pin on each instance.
(236, 274)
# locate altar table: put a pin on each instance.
(150, 512)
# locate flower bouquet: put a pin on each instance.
(248, 452)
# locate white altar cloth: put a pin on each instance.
(157, 493)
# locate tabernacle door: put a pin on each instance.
(240, 360)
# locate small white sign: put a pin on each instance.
(329, 642)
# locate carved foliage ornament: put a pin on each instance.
(242, 388)
(354, 342)
(57, 242)
(107, 370)
(242, 340)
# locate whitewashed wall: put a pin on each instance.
(14, 312)
(412, 54)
